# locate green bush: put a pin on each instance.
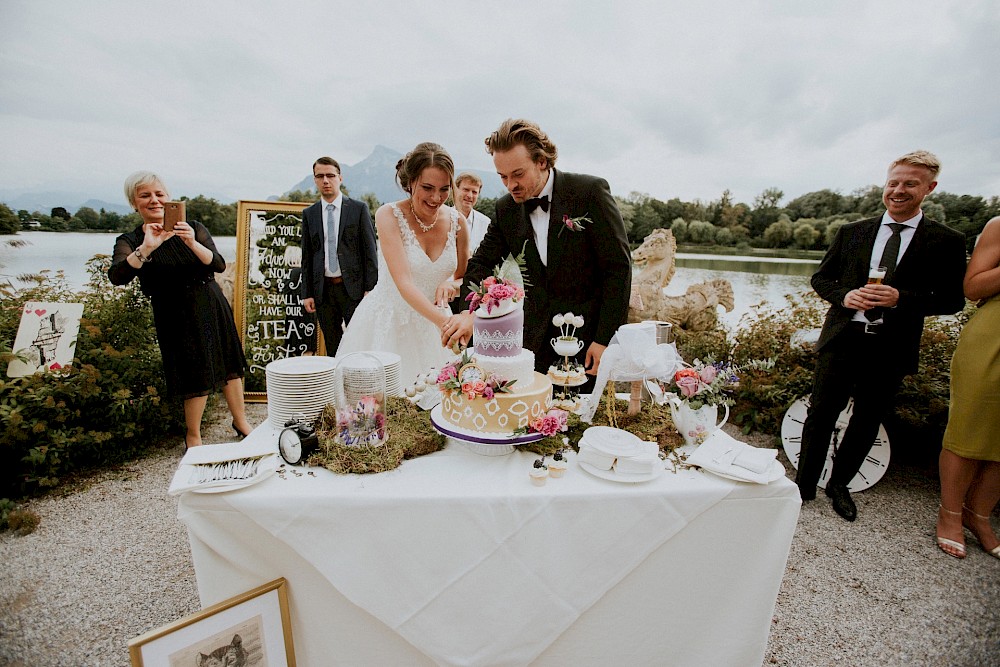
(106, 408)
(764, 394)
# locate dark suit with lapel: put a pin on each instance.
(870, 367)
(589, 272)
(335, 302)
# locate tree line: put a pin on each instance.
(808, 222)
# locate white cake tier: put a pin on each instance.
(520, 367)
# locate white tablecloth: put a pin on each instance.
(457, 558)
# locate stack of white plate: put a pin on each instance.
(299, 388)
(362, 374)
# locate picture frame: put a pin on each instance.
(46, 338)
(267, 300)
(254, 625)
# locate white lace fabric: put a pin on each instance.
(385, 321)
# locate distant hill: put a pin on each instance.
(377, 174)
(46, 201)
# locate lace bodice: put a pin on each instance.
(385, 321)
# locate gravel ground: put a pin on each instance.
(110, 561)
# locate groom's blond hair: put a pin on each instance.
(513, 132)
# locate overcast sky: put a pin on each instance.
(675, 99)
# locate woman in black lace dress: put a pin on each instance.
(194, 324)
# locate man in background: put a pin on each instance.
(882, 276)
(467, 189)
(339, 264)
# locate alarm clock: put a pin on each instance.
(874, 466)
(297, 441)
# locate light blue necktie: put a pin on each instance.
(331, 240)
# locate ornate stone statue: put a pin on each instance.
(695, 310)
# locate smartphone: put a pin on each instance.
(173, 212)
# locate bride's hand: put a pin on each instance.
(445, 292)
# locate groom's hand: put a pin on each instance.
(457, 330)
(593, 358)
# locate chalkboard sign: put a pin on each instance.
(267, 299)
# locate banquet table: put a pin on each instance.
(456, 558)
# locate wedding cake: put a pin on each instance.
(495, 390)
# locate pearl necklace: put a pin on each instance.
(423, 227)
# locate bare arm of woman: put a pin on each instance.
(452, 287)
(399, 267)
(982, 278)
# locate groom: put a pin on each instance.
(576, 253)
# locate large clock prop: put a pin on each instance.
(875, 463)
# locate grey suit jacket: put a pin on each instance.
(355, 249)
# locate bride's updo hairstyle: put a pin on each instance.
(423, 156)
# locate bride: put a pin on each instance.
(422, 246)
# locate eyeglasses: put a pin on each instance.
(320, 177)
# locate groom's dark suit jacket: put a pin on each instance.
(589, 272)
(928, 277)
(355, 249)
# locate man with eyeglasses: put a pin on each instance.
(339, 264)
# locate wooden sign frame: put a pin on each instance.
(267, 300)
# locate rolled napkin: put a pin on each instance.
(646, 462)
(719, 452)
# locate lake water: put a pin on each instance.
(754, 279)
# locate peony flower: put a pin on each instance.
(447, 373)
(489, 281)
(488, 392)
(707, 374)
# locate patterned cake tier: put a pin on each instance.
(520, 368)
(499, 336)
(501, 414)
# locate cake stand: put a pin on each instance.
(487, 444)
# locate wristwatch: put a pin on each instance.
(142, 259)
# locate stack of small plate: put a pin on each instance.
(362, 374)
(299, 388)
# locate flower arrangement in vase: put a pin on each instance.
(364, 424)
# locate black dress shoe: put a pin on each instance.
(842, 503)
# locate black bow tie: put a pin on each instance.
(537, 202)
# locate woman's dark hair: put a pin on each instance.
(423, 156)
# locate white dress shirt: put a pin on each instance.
(540, 221)
(338, 206)
(477, 224)
(881, 238)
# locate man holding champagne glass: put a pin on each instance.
(882, 276)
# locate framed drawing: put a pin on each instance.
(252, 629)
(267, 300)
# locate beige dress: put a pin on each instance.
(973, 430)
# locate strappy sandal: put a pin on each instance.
(950, 547)
(995, 551)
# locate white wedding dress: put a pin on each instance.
(385, 321)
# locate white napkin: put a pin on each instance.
(224, 467)
(645, 462)
(591, 456)
(755, 459)
(719, 452)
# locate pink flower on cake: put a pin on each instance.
(447, 373)
(488, 392)
(551, 422)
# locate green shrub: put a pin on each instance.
(764, 394)
(106, 408)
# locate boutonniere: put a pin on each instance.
(573, 224)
